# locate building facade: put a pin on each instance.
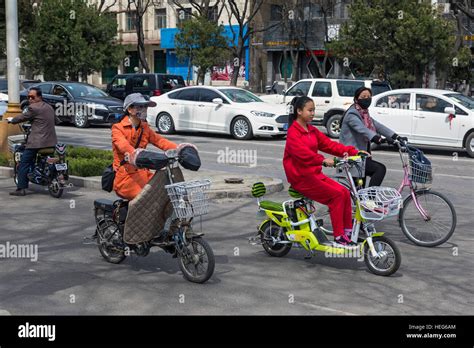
(160, 27)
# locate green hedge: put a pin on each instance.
(4, 161)
(82, 160)
(88, 162)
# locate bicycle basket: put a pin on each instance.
(420, 170)
(189, 198)
(377, 203)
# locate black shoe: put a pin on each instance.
(91, 240)
(18, 192)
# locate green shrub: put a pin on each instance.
(87, 166)
(86, 153)
(88, 162)
(4, 160)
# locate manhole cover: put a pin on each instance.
(234, 181)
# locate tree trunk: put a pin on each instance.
(141, 40)
(190, 66)
(239, 53)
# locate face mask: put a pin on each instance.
(364, 103)
(141, 116)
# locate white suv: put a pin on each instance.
(331, 98)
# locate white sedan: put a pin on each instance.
(226, 110)
(431, 117)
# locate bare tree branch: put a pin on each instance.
(107, 8)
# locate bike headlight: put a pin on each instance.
(262, 114)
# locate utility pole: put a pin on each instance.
(13, 66)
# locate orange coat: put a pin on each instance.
(129, 180)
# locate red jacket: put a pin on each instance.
(301, 160)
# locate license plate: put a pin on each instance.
(285, 126)
(61, 166)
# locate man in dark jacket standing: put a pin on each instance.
(43, 134)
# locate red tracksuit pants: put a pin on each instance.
(326, 191)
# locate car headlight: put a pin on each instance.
(101, 107)
(98, 107)
(262, 114)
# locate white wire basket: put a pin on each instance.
(189, 198)
(379, 202)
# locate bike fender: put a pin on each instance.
(376, 234)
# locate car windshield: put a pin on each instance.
(465, 101)
(240, 95)
(79, 90)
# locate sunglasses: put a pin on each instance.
(31, 97)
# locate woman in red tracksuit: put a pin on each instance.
(303, 167)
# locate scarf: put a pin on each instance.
(365, 117)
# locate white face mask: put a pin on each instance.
(142, 115)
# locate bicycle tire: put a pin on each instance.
(410, 234)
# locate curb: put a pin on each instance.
(230, 191)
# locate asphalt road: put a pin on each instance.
(72, 278)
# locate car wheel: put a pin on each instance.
(165, 124)
(80, 120)
(333, 126)
(470, 145)
(241, 129)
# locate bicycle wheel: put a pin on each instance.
(197, 261)
(389, 259)
(441, 221)
(271, 232)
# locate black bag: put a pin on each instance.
(108, 175)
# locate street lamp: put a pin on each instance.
(13, 66)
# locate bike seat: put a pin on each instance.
(104, 204)
(46, 151)
(270, 205)
(293, 193)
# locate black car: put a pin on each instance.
(150, 85)
(79, 103)
(24, 84)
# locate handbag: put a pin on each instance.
(108, 175)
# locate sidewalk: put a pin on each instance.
(219, 188)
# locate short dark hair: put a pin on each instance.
(39, 93)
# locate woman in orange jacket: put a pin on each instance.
(130, 180)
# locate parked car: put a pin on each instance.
(331, 98)
(3, 107)
(226, 110)
(147, 84)
(79, 103)
(428, 116)
(4, 97)
(24, 84)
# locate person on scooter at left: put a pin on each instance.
(43, 134)
(303, 167)
(133, 129)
